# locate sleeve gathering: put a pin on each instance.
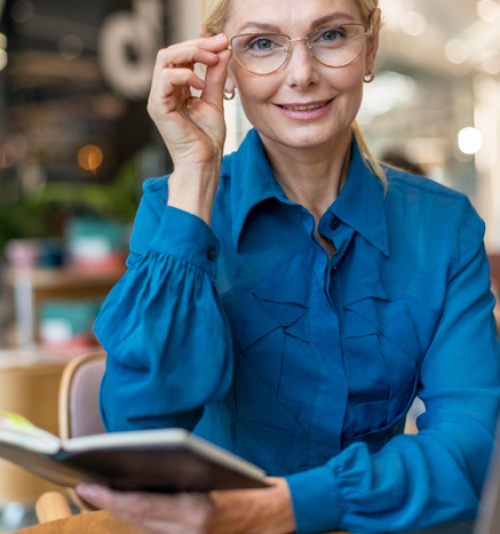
(166, 336)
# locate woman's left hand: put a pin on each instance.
(256, 511)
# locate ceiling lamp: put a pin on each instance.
(470, 140)
(456, 51)
(413, 23)
(488, 10)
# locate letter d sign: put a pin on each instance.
(128, 44)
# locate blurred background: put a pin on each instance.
(76, 143)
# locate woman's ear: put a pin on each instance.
(230, 85)
(229, 88)
(372, 42)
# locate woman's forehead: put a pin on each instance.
(288, 13)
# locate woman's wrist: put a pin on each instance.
(266, 511)
(193, 189)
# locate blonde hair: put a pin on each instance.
(215, 14)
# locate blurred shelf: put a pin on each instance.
(64, 278)
(42, 359)
(33, 286)
(30, 68)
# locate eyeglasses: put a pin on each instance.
(265, 53)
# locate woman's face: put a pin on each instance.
(274, 103)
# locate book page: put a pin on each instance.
(17, 430)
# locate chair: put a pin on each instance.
(78, 416)
(79, 413)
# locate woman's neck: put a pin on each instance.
(309, 177)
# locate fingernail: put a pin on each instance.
(87, 490)
(220, 37)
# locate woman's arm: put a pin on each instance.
(436, 475)
(162, 326)
(167, 338)
(262, 511)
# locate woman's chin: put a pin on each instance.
(307, 137)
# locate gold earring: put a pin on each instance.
(229, 95)
(369, 77)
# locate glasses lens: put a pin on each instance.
(261, 53)
(339, 45)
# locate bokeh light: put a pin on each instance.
(90, 158)
(470, 140)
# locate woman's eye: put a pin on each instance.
(332, 34)
(261, 43)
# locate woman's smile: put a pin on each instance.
(306, 111)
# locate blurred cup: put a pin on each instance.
(31, 253)
(23, 253)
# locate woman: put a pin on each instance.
(290, 302)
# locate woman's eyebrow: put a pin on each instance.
(333, 17)
(258, 26)
(265, 26)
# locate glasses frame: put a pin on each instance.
(368, 33)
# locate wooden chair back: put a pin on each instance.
(79, 413)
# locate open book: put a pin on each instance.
(170, 460)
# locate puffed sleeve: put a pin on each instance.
(436, 475)
(166, 336)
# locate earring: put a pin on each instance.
(369, 77)
(229, 95)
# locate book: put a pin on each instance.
(165, 460)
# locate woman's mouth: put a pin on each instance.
(305, 111)
(306, 107)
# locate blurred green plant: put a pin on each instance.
(22, 219)
(32, 214)
(117, 199)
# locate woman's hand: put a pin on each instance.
(192, 127)
(256, 511)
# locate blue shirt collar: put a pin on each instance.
(360, 204)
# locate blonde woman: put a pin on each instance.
(289, 301)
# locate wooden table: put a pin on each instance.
(94, 522)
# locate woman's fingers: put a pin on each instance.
(190, 124)
(164, 90)
(215, 80)
(170, 58)
(153, 512)
(202, 51)
(174, 72)
(162, 527)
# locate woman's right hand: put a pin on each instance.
(192, 127)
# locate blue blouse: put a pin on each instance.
(247, 333)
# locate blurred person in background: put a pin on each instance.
(289, 301)
(397, 159)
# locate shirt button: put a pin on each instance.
(335, 223)
(211, 253)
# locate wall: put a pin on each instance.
(187, 15)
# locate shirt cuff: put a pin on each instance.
(187, 237)
(316, 501)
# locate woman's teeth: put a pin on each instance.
(303, 108)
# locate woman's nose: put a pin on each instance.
(301, 66)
